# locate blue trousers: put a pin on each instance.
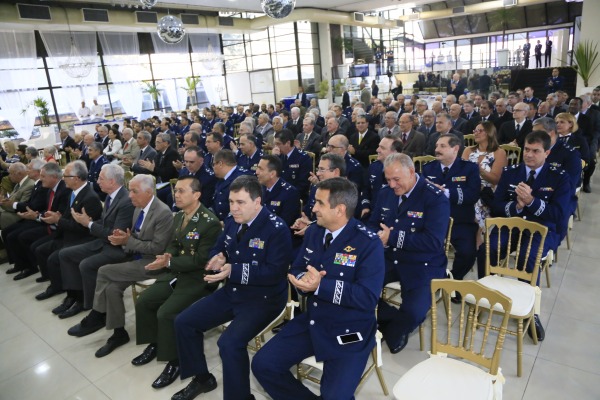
(464, 242)
(247, 318)
(271, 367)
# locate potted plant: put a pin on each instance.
(322, 94)
(338, 89)
(42, 108)
(152, 90)
(586, 60)
(191, 83)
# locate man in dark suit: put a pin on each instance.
(456, 86)
(152, 228)
(20, 243)
(302, 97)
(485, 114)
(411, 218)
(68, 232)
(66, 141)
(538, 55)
(295, 123)
(309, 140)
(413, 142)
(79, 264)
(458, 123)
(502, 113)
(334, 299)
(83, 154)
(514, 132)
(526, 52)
(364, 142)
(97, 161)
(147, 153)
(162, 166)
(588, 127)
(344, 123)
(443, 126)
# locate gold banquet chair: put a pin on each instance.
(313, 158)
(521, 289)
(444, 375)
(513, 153)
(419, 161)
(469, 140)
(372, 158)
(307, 367)
(138, 287)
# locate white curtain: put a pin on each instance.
(177, 96)
(121, 52)
(58, 46)
(207, 47)
(18, 86)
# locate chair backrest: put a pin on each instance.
(419, 161)
(372, 158)
(62, 159)
(470, 343)
(236, 130)
(313, 158)
(448, 237)
(128, 177)
(513, 153)
(469, 140)
(521, 234)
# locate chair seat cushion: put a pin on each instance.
(522, 294)
(146, 282)
(393, 285)
(441, 378)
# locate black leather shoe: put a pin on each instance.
(49, 292)
(13, 270)
(168, 376)
(402, 342)
(75, 309)
(539, 329)
(64, 306)
(42, 279)
(112, 343)
(194, 388)
(87, 326)
(24, 274)
(148, 355)
(278, 328)
(587, 188)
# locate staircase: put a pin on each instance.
(362, 51)
(536, 78)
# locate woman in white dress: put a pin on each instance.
(491, 160)
(114, 145)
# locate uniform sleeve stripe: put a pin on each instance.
(339, 290)
(245, 273)
(400, 243)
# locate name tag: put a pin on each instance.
(256, 244)
(294, 165)
(546, 189)
(459, 179)
(347, 260)
(414, 214)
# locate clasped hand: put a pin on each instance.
(219, 264)
(310, 281)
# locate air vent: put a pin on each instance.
(458, 10)
(508, 3)
(146, 17)
(94, 15)
(189, 19)
(225, 21)
(399, 23)
(359, 17)
(28, 11)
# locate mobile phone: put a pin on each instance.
(349, 338)
(173, 283)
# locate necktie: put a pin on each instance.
(517, 129)
(17, 187)
(360, 137)
(141, 152)
(107, 203)
(241, 232)
(72, 199)
(304, 143)
(403, 197)
(284, 158)
(404, 137)
(328, 240)
(530, 178)
(445, 171)
(50, 200)
(138, 223)
(126, 146)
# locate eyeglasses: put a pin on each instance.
(478, 130)
(324, 169)
(329, 146)
(517, 110)
(69, 176)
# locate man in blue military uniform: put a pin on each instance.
(388, 145)
(226, 170)
(340, 269)
(460, 181)
(193, 159)
(411, 216)
(209, 122)
(338, 144)
(278, 196)
(253, 253)
(297, 165)
(248, 155)
(534, 191)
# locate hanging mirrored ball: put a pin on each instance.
(278, 8)
(170, 29)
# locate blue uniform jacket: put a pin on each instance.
(283, 200)
(551, 191)
(347, 296)
(94, 173)
(260, 261)
(376, 182)
(207, 179)
(296, 170)
(416, 244)
(221, 198)
(249, 163)
(463, 184)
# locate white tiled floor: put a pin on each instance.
(38, 360)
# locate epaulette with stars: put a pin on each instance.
(511, 167)
(276, 221)
(434, 189)
(367, 232)
(556, 170)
